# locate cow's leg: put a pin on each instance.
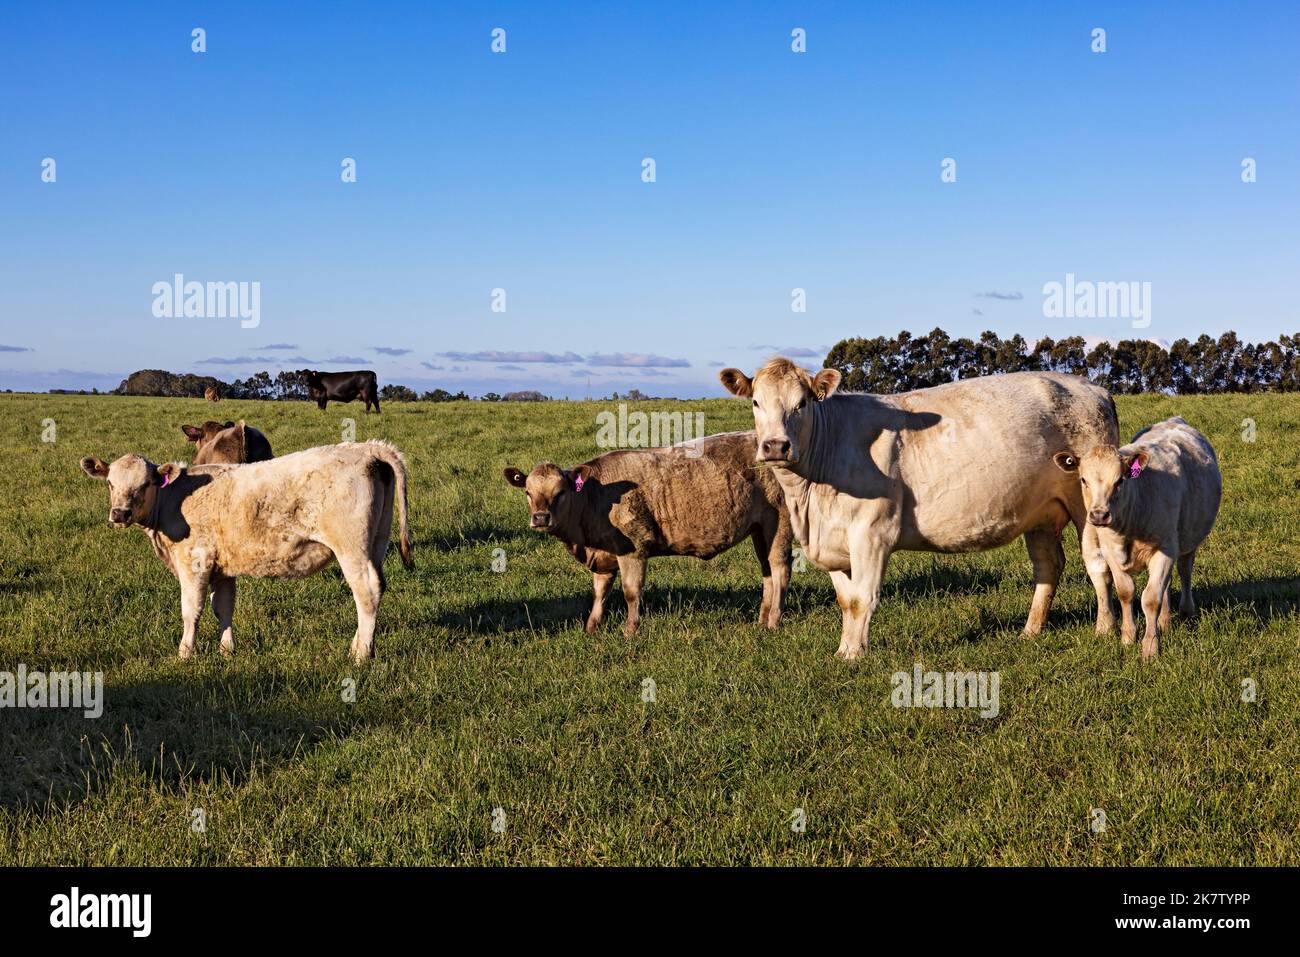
(194, 595)
(320, 404)
(1094, 561)
(765, 566)
(363, 577)
(778, 556)
(1166, 616)
(602, 583)
(1159, 570)
(223, 606)
(1186, 604)
(632, 570)
(1048, 559)
(859, 593)
(1124, 590)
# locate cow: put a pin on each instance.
(231, 444)
(620, 509)
(341, 386)
(284, 518)
(1153, 502)
(961, 467)
(212, 393)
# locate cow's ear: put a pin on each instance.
(515, 477)
(736, 382)
(94, 467)
(825, 383)
(166, 473)
(192, 432)
(1133, 464)
(230, 425)
(580, 475)
(1066, 461)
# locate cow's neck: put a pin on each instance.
(811, 471)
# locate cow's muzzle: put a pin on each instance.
(775, 450)
(119, 517)
(540, 520)
(1100, 517)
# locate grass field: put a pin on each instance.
(487, 694)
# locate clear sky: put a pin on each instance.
(522, 171)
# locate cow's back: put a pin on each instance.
(971, 461)
(697, 498)
(1181, 464)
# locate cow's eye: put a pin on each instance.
(1083, 480)
(756, 403)
(802, 403)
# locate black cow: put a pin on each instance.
(342, 386)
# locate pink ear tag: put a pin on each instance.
(167, 480)
(1135, 469)
(578, 482)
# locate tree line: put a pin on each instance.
(1131, 366)
(284, 386)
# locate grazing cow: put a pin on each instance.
(286, 518)
(234, 443)
(622, 508)
(212, 394)
(956, 468)
(342, 386)
(1153, 503)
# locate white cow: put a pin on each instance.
(283, 518)
(1153, 502)
(962, 467)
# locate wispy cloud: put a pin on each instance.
(391, 351)
(510, 368)
(1012, 296)
(492, 355)
(277, 345)
(338, 359)
(431, 367)
(794, 352)
(4, 348)
(977, 312)
(227, 361)
(637, 360)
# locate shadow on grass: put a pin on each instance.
(741, 602)
(1275, 597)
(173, 731)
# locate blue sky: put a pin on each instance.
(522, 171)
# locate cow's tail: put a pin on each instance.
(392, 456)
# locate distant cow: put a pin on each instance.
(1153, 502)
(623, 508)
(231, 444)
(286, 518)
(961, 467)
(342, 386)
(212, 393)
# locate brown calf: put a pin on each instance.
(623, 508)
(231, 444)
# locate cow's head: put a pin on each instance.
(133, 483)
(1103, 473)
(552, 493)
(219, 444)
(782, 393)
(306, 375)
(201, 435)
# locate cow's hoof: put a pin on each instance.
(849, 655)
(1105, 627)
(186, 652)
(228, 650)
(590, 627)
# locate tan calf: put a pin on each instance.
(1153, 502)
(623, 508)
(285, 518)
